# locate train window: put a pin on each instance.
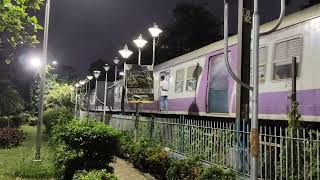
(192, 74)
(179, 81)
(284, 51)
(263, 55)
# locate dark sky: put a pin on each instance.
(81, 31)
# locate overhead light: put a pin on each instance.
(125, 52)
(116, 60)
(106, 67)
(89, 77)
(155, 30)
(140, 42)
(96, 74)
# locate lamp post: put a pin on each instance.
(96, 74)
(82, 83)
(125, 53)
(140, 43)
(116, 62)
(106, 68)
(155, 32)
(90, 77)
(42, 82)
(77, 85)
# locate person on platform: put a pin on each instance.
(164, 88)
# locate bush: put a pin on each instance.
(188, 168)
(126, 146)
(141, 151)
(10, 137)
(27, 168)
(159, 163)
(33, 121)
(217, 173)
(6, 121)
(23, 117)
(94, 143)
(56, 116)
(94, 175)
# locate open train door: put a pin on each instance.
(166, 74)
(218, 85)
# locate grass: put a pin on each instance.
(18, 161)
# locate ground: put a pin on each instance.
(11, 157)
(124, 171)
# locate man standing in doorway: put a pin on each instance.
(164, 88)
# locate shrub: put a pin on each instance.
(27, 168)
(23, 117)
(188, 168)
(6, 121)
(62, 159)
(56, 116)
(94, 143)
(126, 146)
(141, 151)
(33, 121)
(217, 173)
(159, 163)
(10, 137)
(94, 175)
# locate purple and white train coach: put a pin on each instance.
(199, 81)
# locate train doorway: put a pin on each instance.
(218, 85)
(166, 75)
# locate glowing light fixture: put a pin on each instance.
(140, 42)
(155, 31)
(89, 77)
(125, 52)
(96, 74)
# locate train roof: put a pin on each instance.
(289, 20)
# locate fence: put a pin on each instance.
(284, 154)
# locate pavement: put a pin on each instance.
(125, 171)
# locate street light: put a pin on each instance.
(121, 73)
(54, 63)
(140, 43)
(96, 74)
(116, 62)
(125, 53)
(155, 32)
(77, 85)
(89, 77)
(35, 62)
(106, 68)
(42, 81)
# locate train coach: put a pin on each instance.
(200, 83)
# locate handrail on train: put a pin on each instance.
(226, 36)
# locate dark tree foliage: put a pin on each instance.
(98, 66)
(313, 2)
(10, 100)
(193, 27)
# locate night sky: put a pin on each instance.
(81, 31)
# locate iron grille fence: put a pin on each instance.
(284, 153)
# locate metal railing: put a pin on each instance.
(284, 153)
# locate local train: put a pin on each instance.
(200, 83)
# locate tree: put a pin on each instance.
(313, 2)
(98, 66)
(193, 27)
(18, 25)
(10, 100)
